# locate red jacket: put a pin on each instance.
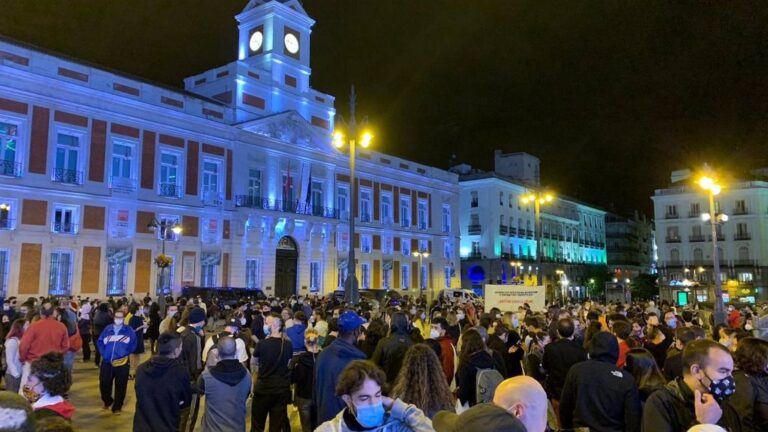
(42, 337)
(623, 350)
(446, 354)
(734, 319)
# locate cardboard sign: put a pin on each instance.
(509, 297)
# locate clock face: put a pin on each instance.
(257, 38)
(291, 43)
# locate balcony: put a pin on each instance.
(696, 238)
(10, 168)
(365, 217)
(64, 228)
(212, 198)
(694, 214)
(743, 263)
(671, 216)
(512, 231)
(740, 211)
(474, 229)
(474, 255)
(405, 223)
(169, 190)
(423, 225)
(672, 239)
(742, 236)
(67, 176)
(503, 230)
(248, 201)
(528, 233)
(720, 237)
(6, 224)
(122, 184)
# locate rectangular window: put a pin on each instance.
(169, 221)
(365, 205)
(365, 243)
(342, 194)
(209, 268)
(671, 211)
(316, 198)
(741, 207)
(746, 277)
(424, 277)
(405, 212)
(7, 210)
(386, 244)
(476, 248)
(365, 272)
(695, 210)
(9, 140)
(67, 160)
(60, 273)
(473, 199)
(170, 183)
(447, 271)
(501, 198)
(165, 276)
(64, 220)
(386, 275)
(511, 200)
(474, 219)
(342, 276)
(406, 247)
(446, 218)
(423, 245)
(5, 260)
(315, 276)
(405, 276)
(254, 184)
(252, 273)
(447, 250)
(288, 191)
(211, 171)
(386, 208)
(122, 160)
(422, 215)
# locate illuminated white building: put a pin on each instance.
(241, 158)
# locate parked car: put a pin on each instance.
(453, 295)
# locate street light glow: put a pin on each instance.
(177, 229)
(366, 139)
(706, 182)
(338, 139)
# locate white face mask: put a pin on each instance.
(434, 334)
(747, 326)
(242, 321)
(118, 321)
(460, 316)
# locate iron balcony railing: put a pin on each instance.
(742, 236)
(64, 228)
(248, 201)
(122, 184)
(673, 239)
(6, 224)
(67, 176)
(503, 230)
(474, 229)
(10, 168)
(696, 238)
(169, 190)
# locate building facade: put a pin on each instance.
(241, 159)
(498, 231)
(631, 246)
(684, 240)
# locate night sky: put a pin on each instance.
(610, 95)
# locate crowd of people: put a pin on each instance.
(404, 364)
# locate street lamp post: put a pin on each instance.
(421, 255)
(538, 199)
(351, 289)
(163, 226)
(712, 189)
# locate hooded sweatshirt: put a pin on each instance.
(597, 394)
(163, 389)
(226, 387)
(330, 362)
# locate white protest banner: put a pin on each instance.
(510, 297)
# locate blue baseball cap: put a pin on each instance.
(349, 321)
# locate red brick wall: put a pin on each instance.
(38, 146)
(148, 160)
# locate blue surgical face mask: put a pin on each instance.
(370, 416)
(267, 329)
(672, 323)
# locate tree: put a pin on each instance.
(596, 280)
(644, 286)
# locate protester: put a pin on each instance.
(559, 357)
(598, 395)
(210, 355)
(13, 363)
(366, 408)
(48, 384)
(192, 334)
(170, 322)
(84, 327)
(116, 342)
(153, 328)
(17, 414)
(700, 396)
(447, 350)
(101, 319)
(225, 386)
(272, 392)
(473, 357)
(139, 326)
(525, 399)
(391, 350)
(296, 332)
(162, 388)
(421, 382)
(751, 397)
(332, 361)
(302, 368)
(648, 378)
(376, 331)
(673, 365)
(44, 336)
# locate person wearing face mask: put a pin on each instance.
(162, 387)
(296, 332)
(48, 384)
(366, 409)
(734, 317)
(272, 392)
(211, 356)
(139, 325)
(226, 387)
(302, 368)
(700, 396)
(332, 361)
(192, 342)
(447, 349)
(751, 397)
(391, 350)
(116, 343)
(171, 319)
(420, 324)
(101, 319)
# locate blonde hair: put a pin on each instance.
(311, 336)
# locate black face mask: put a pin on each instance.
(721, 389)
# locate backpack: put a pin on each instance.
(486, 381)
(213, 353)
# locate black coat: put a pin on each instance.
(390, 352)
(192, 352)
(466, 375)
(671, 409)
(601, 397)
(163, 389)
(751, 401)
(302, 368)
(559, 357)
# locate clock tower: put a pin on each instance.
(272, 72)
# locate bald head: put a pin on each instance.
(227, 348)
(524, 398)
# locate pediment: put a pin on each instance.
(293, 4)
(289, 127)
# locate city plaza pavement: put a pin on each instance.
(90, 417)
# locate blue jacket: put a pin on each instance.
(296, 335)
(116, 346)
(331, 361)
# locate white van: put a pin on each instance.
(454, 295)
